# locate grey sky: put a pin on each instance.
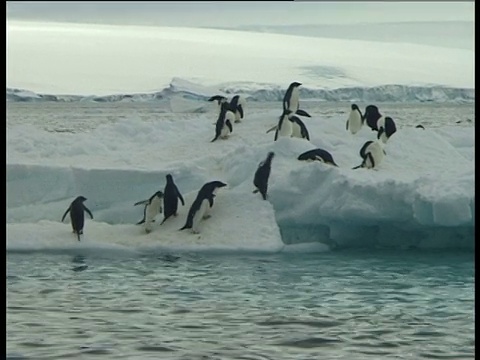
(232, 14)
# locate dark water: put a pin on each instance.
(335, 305)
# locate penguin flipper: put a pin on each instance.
(229, 125)
(240, 110)
(141, 221)
(347, 124)
(66, 212)
(272, 128)
(143, 202)
(88, 211)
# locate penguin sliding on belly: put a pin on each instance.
(372, 154)
(355, 119)
(224, 126)
(202, 205)
(318, 155)
(153, 207)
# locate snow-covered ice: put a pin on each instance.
(102, 111)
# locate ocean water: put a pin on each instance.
(342, 304)
(351, 304)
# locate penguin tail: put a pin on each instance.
(255, 191)
(78, 236)
(215, 138)
(141, 222)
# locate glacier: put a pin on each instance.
(266, 92)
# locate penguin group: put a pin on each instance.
(229, 112)
(289, 124)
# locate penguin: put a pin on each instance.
(220, 99)
(224, 126)
(318, 154)
(153, 207)
(284, 126)
(260, 180)
(202, 205)
(237, 105)
(77, 216)
(296, 128)
(291, 99)
(372, 154)
(372, 115)
(290, 125)
(355, 120)
(171, 195)
(419, 127)
(299, 129)
(386, 128)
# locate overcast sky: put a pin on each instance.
(232, 14)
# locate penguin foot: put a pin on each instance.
(148, 231)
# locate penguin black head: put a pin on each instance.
(270, 156)
(217, 184)
(420, 127)
(371, 109)
(158, 194)
(295, 84)
(218, 98)
(169, 177)
(355, 107)
(80, 199)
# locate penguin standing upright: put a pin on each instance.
(202, 205)
(237, 106)
(291, 99)
(355, 119)
(372, 115)
(77, 215)
(260, 180)
(171, 195)
(224, 126)
(153, 207)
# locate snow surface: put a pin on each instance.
(86, 59)
(422, 194)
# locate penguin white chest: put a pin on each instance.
(376, 151)
(381, 127)
(354, 122)
(296, 130)
(286, 128)
(294, 100)
(200, 214)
